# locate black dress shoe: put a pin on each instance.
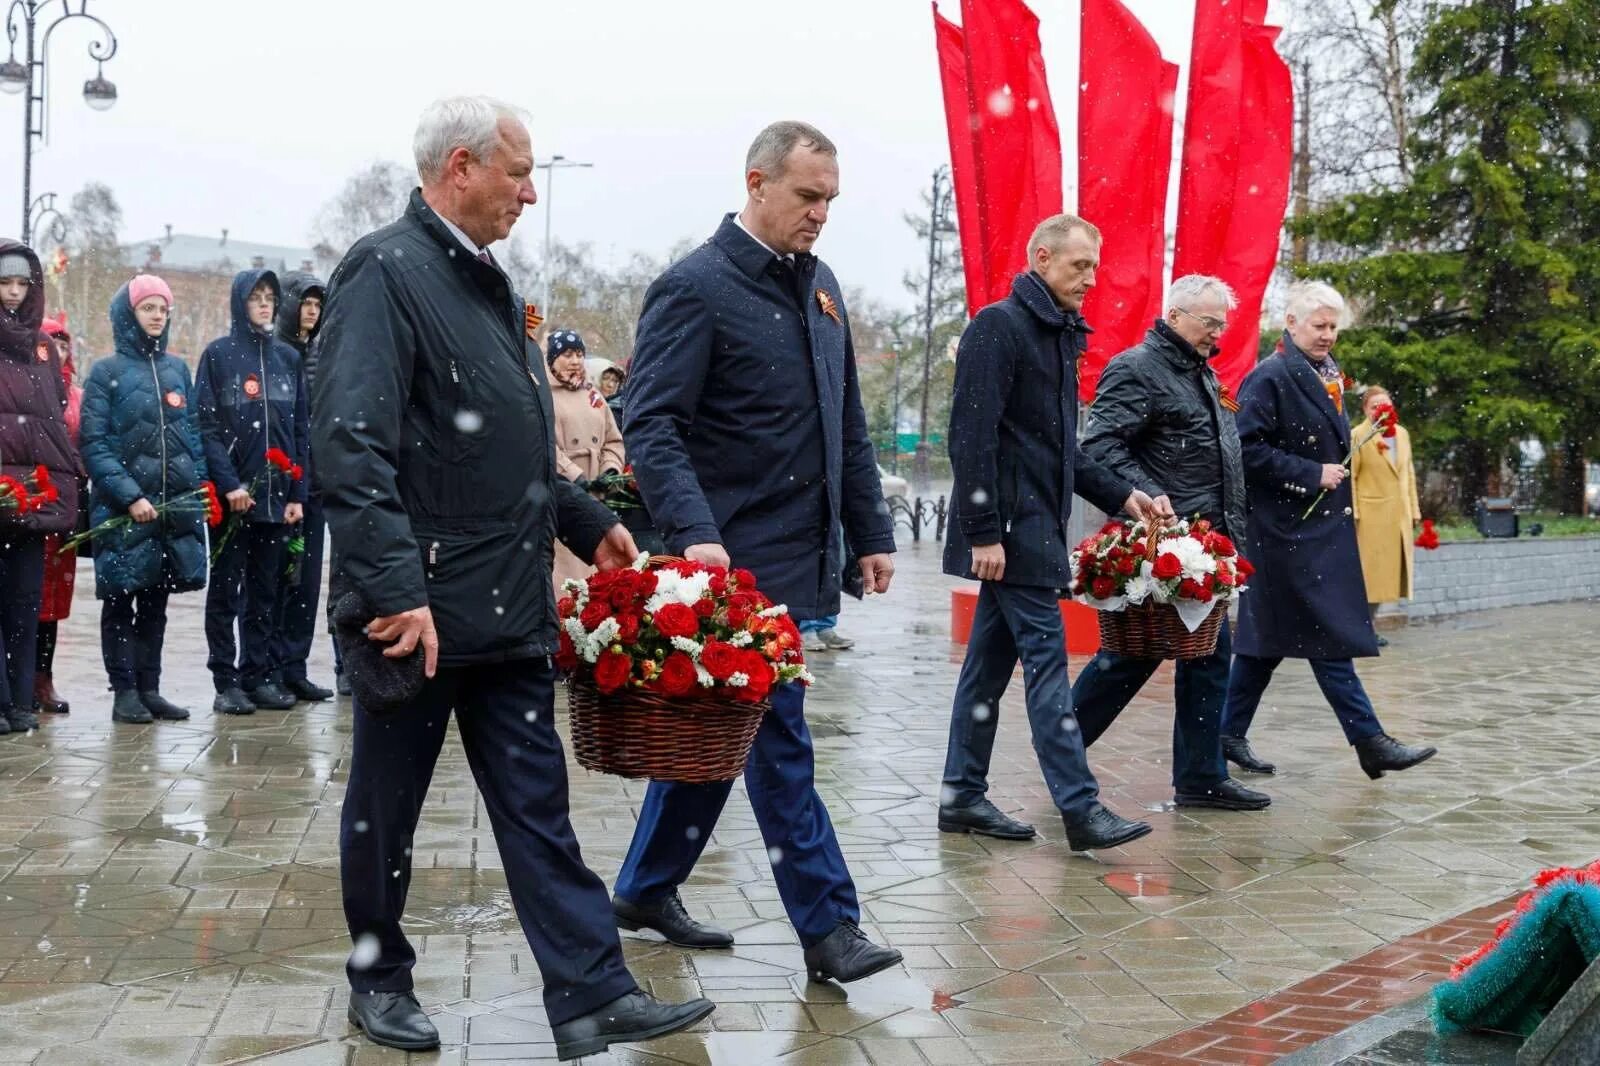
(232, 701)
(985, 819)
(1102, 828)
(271, 696)
(1382, 753)
(1237, 750)
(1226, 795)
(21, 719)
(307, 690)
(630, 1018)
(670, 920)
(341, 683)
(393, 1019)
(847, 955)
(128, 707)
(162, 708)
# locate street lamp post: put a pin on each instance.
(550, 166)
(29, 76)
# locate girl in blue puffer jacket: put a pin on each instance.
(141, 443)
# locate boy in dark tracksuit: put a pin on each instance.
(251, 400)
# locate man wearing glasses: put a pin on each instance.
(1162, 421)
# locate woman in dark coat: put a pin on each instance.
(1306, 599)
(142, 446)
(33, 433)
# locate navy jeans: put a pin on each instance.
(1011, 623)
(133, 626)
(1336, 677)
(244, 589)
(1199, 688)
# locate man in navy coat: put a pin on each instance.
(744, 422)
(1307, 598)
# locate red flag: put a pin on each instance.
(1237, 151)
(960, 122)
(1016, 145)
(1125, 98)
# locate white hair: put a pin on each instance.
(1306, 298)
(1197, 288)
(451, 122)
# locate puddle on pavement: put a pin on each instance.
(884, 990)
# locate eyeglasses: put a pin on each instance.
(1211, 324)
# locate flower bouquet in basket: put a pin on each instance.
(670, 665)
(1162, 591)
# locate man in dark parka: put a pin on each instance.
(744, 424)
(1307, 599)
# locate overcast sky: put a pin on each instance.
(250, 116)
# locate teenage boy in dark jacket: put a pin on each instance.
(252, 407)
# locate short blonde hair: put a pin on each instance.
(1053, 232)
(1308, 297)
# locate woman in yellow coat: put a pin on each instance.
(1386, 507)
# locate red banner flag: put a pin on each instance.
(1016, 145)
(960, 121)
(1125, 101)
(1237, 152)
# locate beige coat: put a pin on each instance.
(588, 443)
(1385, 508)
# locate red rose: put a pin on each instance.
(720, 659)
(594, 613)
(644, 585)
(566, 654)
(620, 594)
(1189, 589)
(759, 671)
(1242, 565)
(737, 617)
(744, 579)
(705, 607)
(1201, 527)
(1217, 544)
(1128, 566)
(611, 671)
(1103, 588)
(628, 623)
(1167, 566)
(676, 620)
(677, 676)
(566, 606)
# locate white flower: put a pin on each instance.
(684, 644)
(774, 611)
(1191, 555)
(578, 590)
(741, 639)
(1140, 586)
(703, 676)
(738, 680)
(641, 562)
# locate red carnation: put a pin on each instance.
(677, 676)
(676, 620)
(718, 584)
(1242, 565)
(1167, 566)
(1128, 566)
(566, 606)
(744, 578)
(566, 654)
(720, 659)
(644, 583)
(1103, 588)
(296, 472)
(611, 671)
(628, 623)
(280, 459)
(594, 613)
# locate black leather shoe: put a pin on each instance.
(670, 920)
(1102, 828)
(985, 819)
(847, 955)
(128, 707)
(1382, 753)
(162, 708)
(625, 1020)
(271, 696)
(393, 1019)
(21, 719)
(341, 684)
(1237, 751)
(232, 701)
(1226, 795)
(307, 690)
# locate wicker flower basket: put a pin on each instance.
(641, 734)
(1154, 631)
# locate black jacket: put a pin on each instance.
(435, 444)
(1158, 420)
(1013, 438)
(33, 404)
(296, 287)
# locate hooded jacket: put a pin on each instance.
(33, 403)
(141, 440)
(251, 397)
(297, 285)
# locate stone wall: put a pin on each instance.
(1482, 575)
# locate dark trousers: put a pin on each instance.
(244, 589)
(506, 715)
(676, 821)
(1015, 622)
(44, 658)
(1199, 689)
(21, 584)
(297, 602)
(1336, 677)
(133, 626)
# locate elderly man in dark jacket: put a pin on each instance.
(1013, 446)
(744, 422)
(1162, 420)
(425, 388)
(1307, 599)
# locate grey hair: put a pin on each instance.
(1308, 297)
(451, 122)
(769, 152)
(1194, 288)
(1053, 232)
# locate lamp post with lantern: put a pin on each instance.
(26, 74)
